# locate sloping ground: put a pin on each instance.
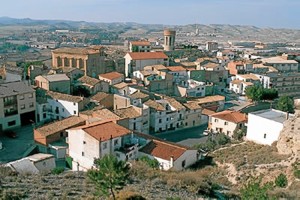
(248, 160)
(151, 184)
(289, 139)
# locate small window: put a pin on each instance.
(22, 106)
(159, 121)
(82, 153)
(31, 105)
(74, 104)
(265, 135)
(75, 112)
(167, 119)
(105, 145)
(216, 120)
(44, 115)
(30, 95)
(12, 123)
(116, 142)
(84, 142)
(21, 97)
(225, 123)
(61, 134)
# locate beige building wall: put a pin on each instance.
(121, 102)
(92, 64)
(193, 118)
(222, 126)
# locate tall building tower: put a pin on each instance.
(169, 42)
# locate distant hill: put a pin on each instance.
(210, 32)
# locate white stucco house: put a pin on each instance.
(191, 88)
(56, 106)
(135, 61)
(33, 164)
(264, 126)
(169, 155)
(96, 140)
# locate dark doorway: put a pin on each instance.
(27, 118)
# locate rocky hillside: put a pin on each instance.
(289, 140)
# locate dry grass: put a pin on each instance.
(203, 179)
(249, 154)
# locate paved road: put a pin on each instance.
(188, 137)
(13, 149)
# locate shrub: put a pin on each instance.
(11, 195)
(214, 141)
(255, 190)
(239, 134)
(153, 163)
(58, 170)
(281, 181)
(297, 173)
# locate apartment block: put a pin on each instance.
(17, 105)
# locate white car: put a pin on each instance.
(206, 132)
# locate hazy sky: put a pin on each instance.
(262, 13)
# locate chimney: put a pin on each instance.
(171, 161)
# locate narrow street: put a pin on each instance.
(188, 137)
(14, 148)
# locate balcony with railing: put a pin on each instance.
(127, 151)
(10, 111)
(10, 101)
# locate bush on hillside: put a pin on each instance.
(281, 181)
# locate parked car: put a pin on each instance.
(206, 132)
(10, 134)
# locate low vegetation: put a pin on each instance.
(254, 189)
(248, 154)
(58, 170)
(214, 141)
(281, 181)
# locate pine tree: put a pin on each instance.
(110, 174)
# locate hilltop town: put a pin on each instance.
(212, 114)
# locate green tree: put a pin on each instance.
(254, 92)
(281, 181)
(269, 94)
(239, 134)
(254, 190)
(110, 174)
(285, 104)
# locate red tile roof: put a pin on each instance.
(163, 150)
(231, 116)
(140, 43)
(176, 68)
(111, 75)
(104, 130)
(147, 55)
